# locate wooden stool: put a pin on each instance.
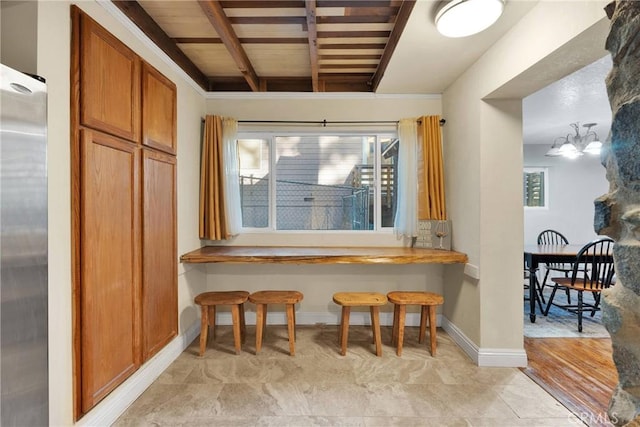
(208, 302)
(358, 299)
(290, 299)
(428, 301)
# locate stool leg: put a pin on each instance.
(264, 320)
(394, 327)
(424, 310)
(259, 325)
(294, 321)
(212, 320)
(340, 330)
(432, 329)
(401, 319)
(375, 323)
(204, 327)
(291, 326)
(235, 315)
(243, 325)
(344, 330)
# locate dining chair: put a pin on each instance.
(593, 271)
(553, 237)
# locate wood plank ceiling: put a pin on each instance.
(276, 45)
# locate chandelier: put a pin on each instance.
(572, 146)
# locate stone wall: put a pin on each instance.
(618, 212)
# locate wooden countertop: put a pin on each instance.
(321, 255)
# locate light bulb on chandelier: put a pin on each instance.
(573, 146)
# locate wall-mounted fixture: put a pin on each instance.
(573, 146)
(461, 18)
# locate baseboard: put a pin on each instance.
(461, 339)
(114, 405)
(502, 358)
(488, 357)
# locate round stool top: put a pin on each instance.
(419, 298)
(276, 297)
(222, 298)
(359, 298)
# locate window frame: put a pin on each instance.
(536, 169)
(272, 135)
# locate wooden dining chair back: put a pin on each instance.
(593, 270)
(553, 237)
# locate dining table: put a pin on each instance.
(534, 255)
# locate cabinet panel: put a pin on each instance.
(110, 264)
(159, 249)
(109, 83)
(158, 110)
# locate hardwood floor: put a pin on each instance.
(578, 372)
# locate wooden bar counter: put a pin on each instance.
(321, 255)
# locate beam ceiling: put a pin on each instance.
(349, 42)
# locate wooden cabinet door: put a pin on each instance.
(158, 110)
(109, 83)
(159, 252)
(110, 264)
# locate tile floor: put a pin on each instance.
(320, 387)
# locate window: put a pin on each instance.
(536, 188)
(318, 182)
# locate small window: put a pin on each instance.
(536, 188)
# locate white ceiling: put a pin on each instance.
(579, 97)
(437, 61)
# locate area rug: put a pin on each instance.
(561, 323)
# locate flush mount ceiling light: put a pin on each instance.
(461, 18)
(573, 146)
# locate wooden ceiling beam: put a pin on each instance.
(336, 82)
(401, 21)
(272, 84)
(347, 66)
(262, 4)
(277, 20)
(356, 19)
(351, 56)
(246, 40)
(352, 46)
(151, 29)
(312, 34)
(350, 77)
(355, 3)
(215, 13)
(372, 11)
(353, 34)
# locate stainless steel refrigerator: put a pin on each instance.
(24, 382)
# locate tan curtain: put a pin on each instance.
(212, 196)
(431, 200)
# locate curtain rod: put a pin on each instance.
(325, 122)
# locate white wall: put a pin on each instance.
(318, 283)
(19, 22)
(573, 186)
(54, 30)
(486, 138)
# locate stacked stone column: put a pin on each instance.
(617, 213)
